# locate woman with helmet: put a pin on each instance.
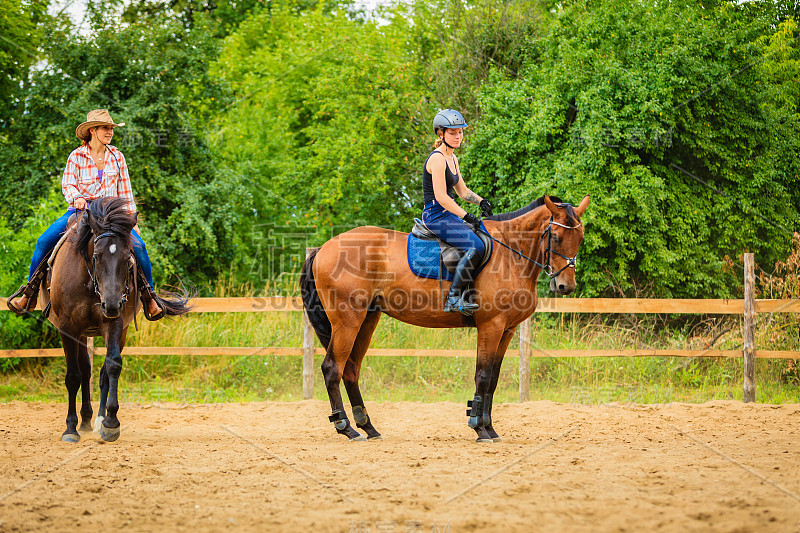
(441, 176)
(94, 170)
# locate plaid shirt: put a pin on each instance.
(80, 177)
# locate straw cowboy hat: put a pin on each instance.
(98, 117)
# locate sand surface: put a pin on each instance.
(720, 466)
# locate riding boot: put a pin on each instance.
(465, 271)
(147, 295)
(29, 290)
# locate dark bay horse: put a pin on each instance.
(93, 292)
(358, 275)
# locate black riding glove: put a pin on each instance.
(472, 220)
(486, 208)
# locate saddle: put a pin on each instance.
(450, 255)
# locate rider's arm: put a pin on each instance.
(124, 182)
(69, 181)
(462, 190)
(436, 166)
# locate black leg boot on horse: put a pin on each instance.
(464, 274)
(25, 299)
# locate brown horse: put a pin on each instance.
(358, 275)
(93, 292)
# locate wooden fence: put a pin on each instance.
(747, 307)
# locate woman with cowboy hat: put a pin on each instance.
(94, 170)
(441, 176)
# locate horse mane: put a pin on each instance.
(573, 218)
(112, 215)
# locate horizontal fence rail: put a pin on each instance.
(396, 352)
(745, 307)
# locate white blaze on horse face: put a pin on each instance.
(112, 248)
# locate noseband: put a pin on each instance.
(94, 277)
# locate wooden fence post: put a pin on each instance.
(308, 352)
(525, 360)
(749, 330)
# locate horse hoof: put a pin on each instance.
(70, 437)
(86, 427)
(358, 438)
(98, 422)
(496, 439)
(484, 441)
(376, 437)
(109, 434)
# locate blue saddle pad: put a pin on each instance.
(423, 258)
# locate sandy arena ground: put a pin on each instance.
(720, 466)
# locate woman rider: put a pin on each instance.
(441, 176)
(94, 170)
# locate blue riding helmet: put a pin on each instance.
(448, 118)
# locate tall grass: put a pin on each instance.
(196, 379)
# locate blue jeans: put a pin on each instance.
(450, 228)
(49, 239)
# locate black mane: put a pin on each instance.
(112, 215)
(572, 217)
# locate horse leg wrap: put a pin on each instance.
(339, 419)
(487, 410)
(475, 411)
(360, 415)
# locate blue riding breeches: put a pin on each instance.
(49, 239)
(450, 228)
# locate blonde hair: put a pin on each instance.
(437, 143)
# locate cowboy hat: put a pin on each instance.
(98, 117)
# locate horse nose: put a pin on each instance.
(109, 310)
(565, 289)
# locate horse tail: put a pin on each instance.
(175, 303)
(313, 305)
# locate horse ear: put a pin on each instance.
(95, 227)
(550, 205)
(135, 217)
(582, 207)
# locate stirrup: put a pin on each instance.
(21, 292)
(147, 294)
(455, 304)
(146, 310)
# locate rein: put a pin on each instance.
(546, 268)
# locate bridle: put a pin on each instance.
(93, 276)
(548, 253)
(571, 261)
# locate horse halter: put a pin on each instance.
(94, 277)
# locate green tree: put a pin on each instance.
(328, 120)
(19, 49)
(660, 111)
(148, 74)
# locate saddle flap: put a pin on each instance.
(452, 255)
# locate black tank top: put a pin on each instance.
(427, 181)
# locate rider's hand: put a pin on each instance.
(486, 208)
(79, 203)
(472, 220)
